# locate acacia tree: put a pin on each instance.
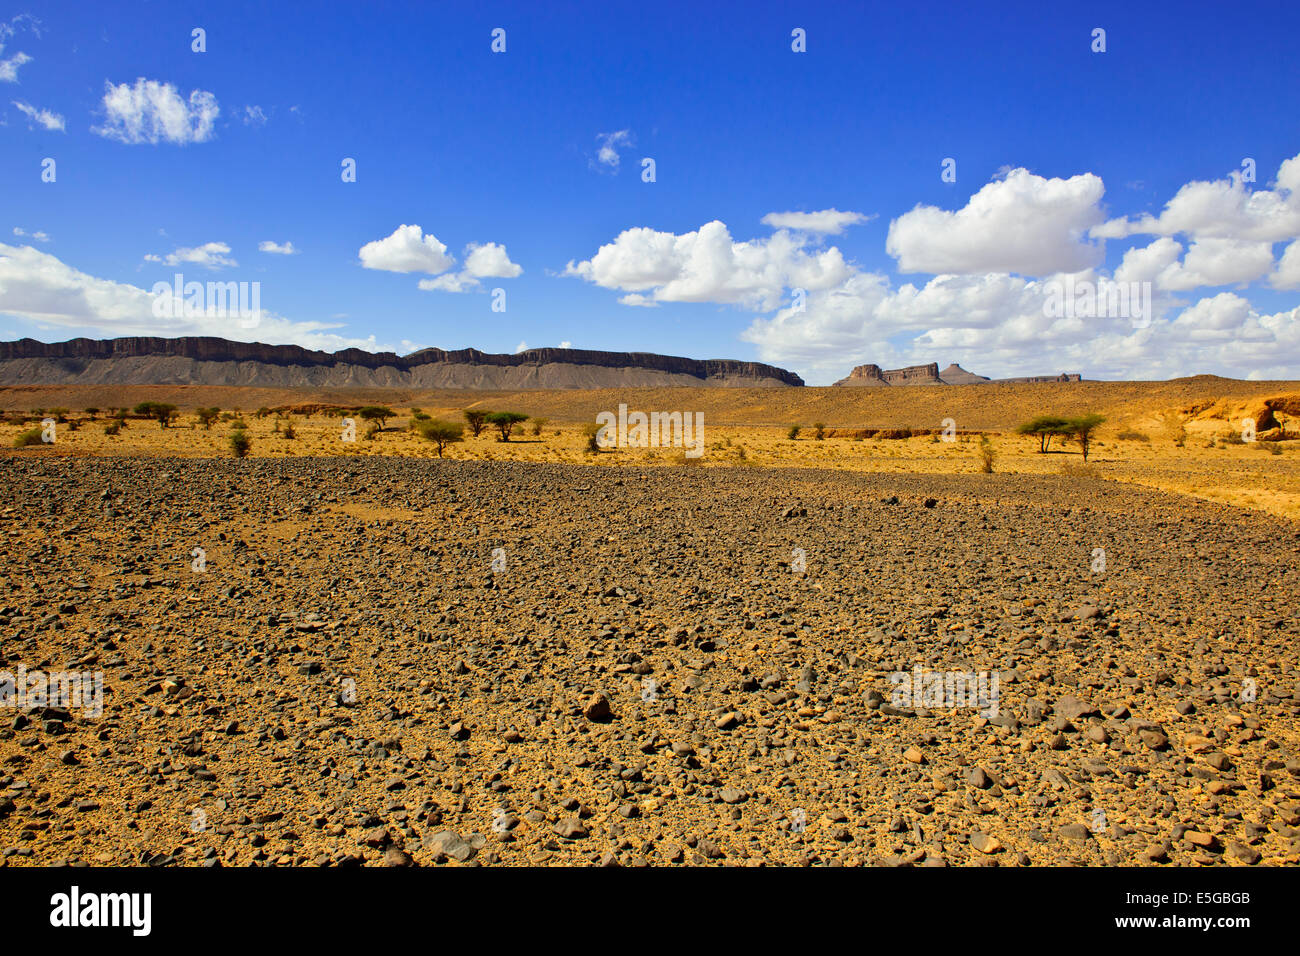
(207, 416)
(379, 413)
(505, 422)
(441, 433)
(163, 412)
(1044, 426)
(1081, 430)
(476, 418)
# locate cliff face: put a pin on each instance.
(954, 374)
(873, 375)
(214, 361)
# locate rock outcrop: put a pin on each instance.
(874, 376)
(216, 361)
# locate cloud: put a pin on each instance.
(707, 265)
(253, 116)
(827, 221)
(276, 249)
(486, 261)
(9, 67)
(40, 288)
(150, 112)
(45, 118)
(1223, 209)
(1287, 275)
(38, 236)
(210, 255)
(406, 250)
(1023, 224)
(608, 145)
(490, 260)
(521, 347)
(451, 282)
(566, 345)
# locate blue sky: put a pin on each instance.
(165, 155)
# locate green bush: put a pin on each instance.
(793, 433)
(240, 443)
(30, 437)
(441, 433)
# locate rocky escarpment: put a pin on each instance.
(873, 376)
(216, 361)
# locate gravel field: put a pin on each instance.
(333, 661)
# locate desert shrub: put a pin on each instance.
(289, 432)
(238, 424)
(262, 412)
(60, 415)
(112, 428)
(92, 410)
(539, 424)
(372, 432)
(590, 431)
(1130, 435)
(441, 433)
(793, 433)
(476, 419)
(819, 430)
(1233, 438)
(207, 416)
(275, 429)
(240, 443)
(74, 425)
(986, 455)
(505, 422)
(30, 437)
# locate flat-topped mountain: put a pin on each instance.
(216, 361)
(873, 376)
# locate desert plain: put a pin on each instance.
(343, 653)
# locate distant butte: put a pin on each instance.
(873, 376)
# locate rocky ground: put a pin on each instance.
(642, 673)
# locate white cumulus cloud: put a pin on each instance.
(1023, 223)
(707, 265)
(408, 249)
(153, 112)
(276, 248)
